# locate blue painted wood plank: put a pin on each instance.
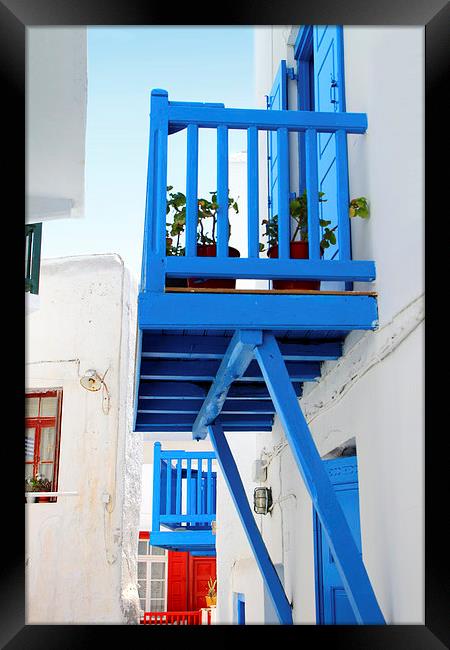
(207, 369)
(191, 190)
(169, 488)
(159, 429)
(214, 347)
(273, 269)
(237, 118)
(312, 194)
(349, 563)
(193, 406)
(284, 230)
(252, 193)
(167, 419)
(156, 507)
(232, 367)
(185, 390)
(222, 192)
(210, 506)
(175, 454)
(178, 489)
(189, 487)
(199, 486)
(237, 491)
(343, 199)
(183, 539)
(296, 312)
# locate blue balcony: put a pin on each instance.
(184, 332)
(184, 501)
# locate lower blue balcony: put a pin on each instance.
(184, 501)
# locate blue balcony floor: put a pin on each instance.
(196, 542)
(177, 365)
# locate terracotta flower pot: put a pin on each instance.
(298, 251)
(209, 250)
(211, 601)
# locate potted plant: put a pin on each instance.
(299, 247)
(211, 597)
(206, 233)
(38, 484)
(206, 246)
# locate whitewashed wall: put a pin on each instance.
(374, 393)
(81, 551)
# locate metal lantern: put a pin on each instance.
(262, 500)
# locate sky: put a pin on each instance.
(202, 64)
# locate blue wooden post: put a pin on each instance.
(169, 486)
(312, 194)
(209, 504)
(252, 193)
(343, 219)
(191, 190)
(188, 490)
(284, 219)
(178, 496)
(155, 221)
(199, 486)
(345, 552)
(222, 191)
(156, 507)
(237, 491)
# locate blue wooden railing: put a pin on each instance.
(184, 490)
(170, 117)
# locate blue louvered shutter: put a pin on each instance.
(329, 96)
(277, 101)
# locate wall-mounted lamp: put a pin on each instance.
(92, 381)
(262, 500)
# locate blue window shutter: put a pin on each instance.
(329, 96)
(277, 101)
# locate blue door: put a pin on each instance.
(277, 101)
(329, 96)
(332, 604)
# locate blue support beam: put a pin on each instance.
(233, 366)
(341, 313)
(233, 480)
(345, 552)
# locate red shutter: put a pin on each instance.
(177, 600)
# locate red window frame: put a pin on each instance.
(46, 421)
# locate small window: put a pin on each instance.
(42, 441)
(152, 577)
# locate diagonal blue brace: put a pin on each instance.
(239, 354)
(234, 482)
(345, 552)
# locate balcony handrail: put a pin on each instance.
(184, 491)
(169, 117)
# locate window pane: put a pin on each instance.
(142, 547)
(49, 406)
(48, 435)
(158, 570)
(28, 470)
(31, 407)
(142, 570)
(142, 605)
(157, 605)
(46, 470)
(142, 588)
(156, 550)
(157, 589)
(29, 443)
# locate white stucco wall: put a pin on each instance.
(81, 551)
(374, 393)
(56, 103)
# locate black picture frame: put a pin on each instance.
(15, 17)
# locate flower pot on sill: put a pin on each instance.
(209, 250)
(298, 251)
(211, 601)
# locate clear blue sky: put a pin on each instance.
(207, 64)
